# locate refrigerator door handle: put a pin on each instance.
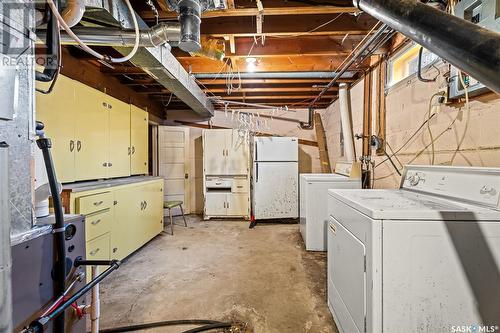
(256, 145)
(256, 172)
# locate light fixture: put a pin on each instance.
(251, 64)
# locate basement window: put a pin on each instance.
(405, 63)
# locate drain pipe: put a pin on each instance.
(310, 121)
(346, 122)
(159, 34)
(468, 46)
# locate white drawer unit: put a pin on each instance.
(227, 197)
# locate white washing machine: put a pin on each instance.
(313, 189)
(424, 258)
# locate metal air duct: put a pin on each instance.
(157, 35)
(346, 121)
(465, 45)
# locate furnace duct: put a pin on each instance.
(345, 119)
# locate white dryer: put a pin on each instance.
(313, 189)
(424, 258)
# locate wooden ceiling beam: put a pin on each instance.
(279, 47)
(272, 11)
(274, 64)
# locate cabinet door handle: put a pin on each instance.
(98, 203)
(227, 205)
(142, 205)
(96, 222)
(129, 150)
(78, 145)
(224, 204)
(105, 164)
(110, 164)
(145, 204)
(94, 252)
(133, 150)
(71, 145)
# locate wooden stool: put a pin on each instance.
(172, 204)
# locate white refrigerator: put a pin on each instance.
(275, 178)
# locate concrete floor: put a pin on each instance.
(221, 270)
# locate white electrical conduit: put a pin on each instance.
(87, 49)
(345, 118)
(73, 12)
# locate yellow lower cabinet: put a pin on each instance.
(126, 213)
(97, 224)
(97, 249)
(151, 224)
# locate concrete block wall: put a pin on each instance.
(406, 109)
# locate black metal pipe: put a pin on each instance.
(59, 238)
(310, 121)
(81, 262)
(374, 39)
(37, 326)
(52, 42)
(467, 46)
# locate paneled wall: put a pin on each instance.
(406, 109)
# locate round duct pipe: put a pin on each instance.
(190, 19)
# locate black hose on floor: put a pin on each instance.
(212, 323)
(209, 327)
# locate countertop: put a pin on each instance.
(106, 183)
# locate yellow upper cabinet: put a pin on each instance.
(119, 138)
(138, 141)
(56, 110)
(91, 136)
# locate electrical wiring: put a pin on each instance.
(312, 30)
(467, 118)
(87, 49)
(407, 141)
(429, 109)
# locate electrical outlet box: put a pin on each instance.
(485, 13)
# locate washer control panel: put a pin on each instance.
(470, 184)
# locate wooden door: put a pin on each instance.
(173, 164)
(214, 151)
(138, 141)
(91, 133)
(119, 138)
(57, 111)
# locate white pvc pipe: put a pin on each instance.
(73, 12)
(346, 121)
(95, 307)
